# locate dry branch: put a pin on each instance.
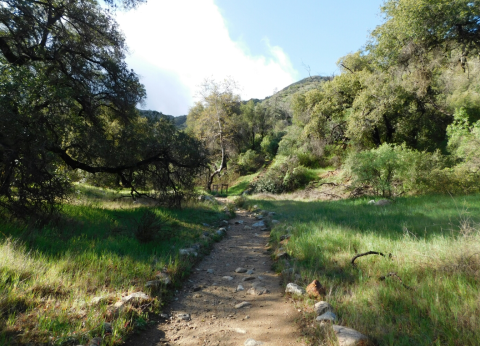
(368, 253)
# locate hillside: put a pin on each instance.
(283, 98)
(179, 121)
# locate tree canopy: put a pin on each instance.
(68, 101)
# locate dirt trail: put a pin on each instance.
(210, 299)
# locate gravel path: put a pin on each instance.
(212, 309)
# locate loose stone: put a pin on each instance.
(315, 289)
(250, 272)
(328, 316)
(240, 331)
(137, 297)
(242, 305)
(248, 278)
(259, 224)
(285, 236)
(349, 337)
(252, 342)
(210, 271)
(240, 270)
(188, 252)
(295, 289)
(153, 283)
(164, 278)
(185, 317)
(281, 253)
(322, 307)
(257, 291)
(240, 288)
(229, 278)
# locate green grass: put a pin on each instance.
(435, 244)
(48, 277)
(236, 188)
(241, 184)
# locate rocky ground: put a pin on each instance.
(232, 298)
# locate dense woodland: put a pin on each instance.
(402, 117)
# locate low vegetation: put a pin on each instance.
(107, 248)
(424, 291)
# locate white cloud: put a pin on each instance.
(176, 44)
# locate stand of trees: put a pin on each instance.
(67, 102)
(414, 89)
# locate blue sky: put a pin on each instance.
(314, 33)
(264, 44)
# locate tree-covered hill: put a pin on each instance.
(180, 121)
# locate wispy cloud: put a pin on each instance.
(175, 45)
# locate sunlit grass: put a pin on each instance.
(435, 247)
(49, 277)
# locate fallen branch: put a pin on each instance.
(369, 253)
(395, 275)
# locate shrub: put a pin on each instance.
(308, 159)
(249, 161)
(239, 202)
(270, 144)
(284, 177)
(392, 170)
(149, 228)
(464, 140)
(297, 178)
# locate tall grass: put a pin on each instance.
(434, 242)
(49, 276)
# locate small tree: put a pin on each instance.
(213, 120)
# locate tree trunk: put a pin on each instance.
(223, 164)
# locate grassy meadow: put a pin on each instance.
(49, 276)
(434, 241)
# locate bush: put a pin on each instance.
(308, 159)
(284, 177)
(149, 228)
(239, 202)
(249, 161)
(298, 178)
(392, 170)
(270, 144)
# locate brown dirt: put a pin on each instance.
(214, 319)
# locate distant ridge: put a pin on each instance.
(179, 121)
(281, 100)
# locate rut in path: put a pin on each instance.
(209, 299)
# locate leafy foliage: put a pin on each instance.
(392, 170)
(68, 102)
(284, 176)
